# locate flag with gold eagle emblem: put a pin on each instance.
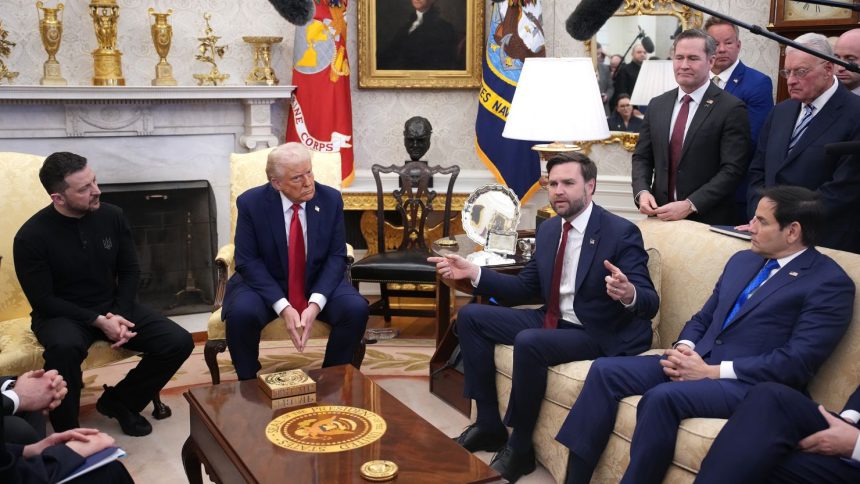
(321, 110)
(516, 33)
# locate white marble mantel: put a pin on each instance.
(140, 134)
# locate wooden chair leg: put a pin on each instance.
(159, 410)
(385, 304)
(210, 356)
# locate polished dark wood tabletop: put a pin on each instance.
(228, 423)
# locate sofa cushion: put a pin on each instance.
(273, 331)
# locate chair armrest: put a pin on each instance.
(224, 265)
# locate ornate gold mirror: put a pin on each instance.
(660, 21)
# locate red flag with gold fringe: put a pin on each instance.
(321, 110)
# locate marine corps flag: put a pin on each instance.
(516, 32)
(321, 110)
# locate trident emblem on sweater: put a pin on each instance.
(107, 243)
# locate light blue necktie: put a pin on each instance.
(757, 281)
(804, 123)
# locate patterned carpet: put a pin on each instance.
(396, 357)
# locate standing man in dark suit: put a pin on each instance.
(591, 269)
(745, 83)
(290, 264)
(779, 434)
(792, 145)
(776, 314)
(694, 143)
(848, 49)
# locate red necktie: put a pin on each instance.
(553, 311)
(676, 143)
(296, 252)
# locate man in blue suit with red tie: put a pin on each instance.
(591, 269)
(779, 434)
(776, 313)
(745, 83)
(792, 148)
(290, 264)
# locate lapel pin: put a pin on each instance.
(317, 208)
(792, 274)
(735, 81)
(709, 102)
(591, 241)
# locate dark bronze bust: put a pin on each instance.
(416, 137)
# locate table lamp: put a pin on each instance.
(556, 99)
(655, 78)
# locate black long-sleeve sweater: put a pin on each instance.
(77, 268)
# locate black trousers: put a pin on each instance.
(164, 346)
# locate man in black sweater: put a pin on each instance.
(76, 262)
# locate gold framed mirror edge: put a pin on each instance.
(689, 19)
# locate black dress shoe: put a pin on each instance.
(512, 465)
(132, 423)
(475, 439)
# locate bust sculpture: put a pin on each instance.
(416, 137)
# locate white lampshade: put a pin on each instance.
(655, 78)
(557, 99)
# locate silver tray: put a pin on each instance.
(494, 207)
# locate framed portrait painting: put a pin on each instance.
(420, 44)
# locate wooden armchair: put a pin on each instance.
(23, 196)
(247, 170)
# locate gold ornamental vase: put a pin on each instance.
(262, 74)
(51, 31)
(162, 35)
(107, 59)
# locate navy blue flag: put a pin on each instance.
(516, 33)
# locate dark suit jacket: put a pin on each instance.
(57, 461)
(617, 124)
(786, 329)
(713, 158)
(261, 243)
(618, 331)
(835, 178)
(756, 91)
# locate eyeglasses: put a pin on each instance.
(799, 73)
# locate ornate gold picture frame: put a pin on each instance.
(442, 52)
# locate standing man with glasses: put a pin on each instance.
(291, 264)
(792, 146)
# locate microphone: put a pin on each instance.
(296, 12)
(647, 43)
(843, 148)
(589, 16)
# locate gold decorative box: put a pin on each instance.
(295, 400)
(287, 384)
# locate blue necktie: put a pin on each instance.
(804, 122)
(757, 281)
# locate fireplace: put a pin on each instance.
(175, 234)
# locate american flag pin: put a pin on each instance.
(591, 241)
(792, 274)
(709, 102)
(317, 208)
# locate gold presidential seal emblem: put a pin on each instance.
(326, 428)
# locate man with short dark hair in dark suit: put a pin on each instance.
(590, 267)
(778, 434)
(792, 148)
(693, 146)
(776, 314)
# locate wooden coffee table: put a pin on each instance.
(227, 436)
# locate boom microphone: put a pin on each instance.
(589, 16)
(296, 12)
(647, 43)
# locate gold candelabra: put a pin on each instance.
(262, 73)
(162, 34)
(209, 50)
(107, 59)
(5, 51)
(51, 31)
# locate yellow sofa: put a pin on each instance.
(247, 170)
(691, 260)
(23, 196)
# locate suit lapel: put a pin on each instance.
(312, 216)
(709, 101)
(589, 246)
(818, 126)
(546, 259)
(792, 272)
(661, 122)
(736, 79)
(277, 224)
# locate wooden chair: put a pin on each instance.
(407, 265)
(247, 170)
(23, 196)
